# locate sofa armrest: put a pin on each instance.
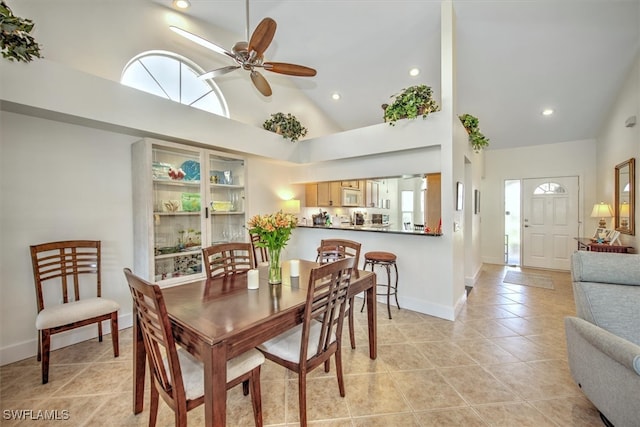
(622, 351)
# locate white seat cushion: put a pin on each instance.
(193, 369)
(64, 314)
(287, 345)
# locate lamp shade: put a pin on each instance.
(291, 206)
(624, 210)
(601, 210)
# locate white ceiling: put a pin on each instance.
(514, 57)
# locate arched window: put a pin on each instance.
(549, 188)
(174, 77)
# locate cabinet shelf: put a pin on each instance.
(177, 213)
(177, 183)
(227, 212)
(177, 254)
(231, 186)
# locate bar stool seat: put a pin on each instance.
(386, 260)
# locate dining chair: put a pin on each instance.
(177, 376)
(312, 343)
(227, 259)
(73, 265)
(259, 254)
(334, 249)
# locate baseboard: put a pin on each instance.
(471, 281)
(23, 350)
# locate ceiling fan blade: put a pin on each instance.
(262, 36)
(290, 69)
(218, 72)
(261, 83)
(202, 42)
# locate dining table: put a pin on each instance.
(216, 319)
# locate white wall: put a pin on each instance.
(59, 182)
(79, 104)
(576, 158)
(617, 143)
(102, 47)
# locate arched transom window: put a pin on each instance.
(174, 77)
(549, 188)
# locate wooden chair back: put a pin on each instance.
(71, 265)
(63, 263)
(326, 303)
(331, 250)
(259, 254)
(226, 259)
(159, 342)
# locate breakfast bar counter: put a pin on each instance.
(386, 229)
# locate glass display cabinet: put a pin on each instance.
(184, 198)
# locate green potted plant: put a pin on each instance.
(477, 140)
(286, 125)
(15, 41)
(412, 102)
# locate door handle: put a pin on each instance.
(526, 226)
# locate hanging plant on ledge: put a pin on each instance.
(477, 140)
(412, 102)
(286, 125)
(15, 41)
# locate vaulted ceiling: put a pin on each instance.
(514, 58)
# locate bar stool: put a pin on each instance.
(386, 260)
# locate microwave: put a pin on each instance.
(351, 197)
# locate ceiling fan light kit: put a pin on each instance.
(250, 56)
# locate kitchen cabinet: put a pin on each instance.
(323, 194)
(184, 198)
(329, 194)
(359, 184)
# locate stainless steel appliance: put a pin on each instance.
(380, 219)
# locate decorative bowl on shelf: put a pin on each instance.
(167, 250)
(221, 206)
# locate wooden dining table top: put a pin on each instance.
(217, 308)
(217, 319)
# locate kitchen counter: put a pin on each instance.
(387, 229)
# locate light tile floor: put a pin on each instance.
(501, 363)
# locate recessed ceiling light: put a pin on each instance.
(547, 112)
(414, 72)
(335, 96)
(181, 4)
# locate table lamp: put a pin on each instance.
(624, 215)
(601, 210)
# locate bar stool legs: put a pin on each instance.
(386, 260)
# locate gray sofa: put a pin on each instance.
(603, 341)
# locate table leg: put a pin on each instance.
(215, 385)
(139, 366)
(372, 317)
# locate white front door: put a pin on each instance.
(550, 221)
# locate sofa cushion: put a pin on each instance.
(605, 267)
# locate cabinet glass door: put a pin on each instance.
(177, 211)
(227, 197)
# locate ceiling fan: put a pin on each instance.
(250, 56)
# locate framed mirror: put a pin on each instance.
(625, 197)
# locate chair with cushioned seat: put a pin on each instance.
(226, 259)
(332, 250)
(175, 374)
(312, 343)
(70, 265)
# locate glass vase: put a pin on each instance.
(275, 273)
